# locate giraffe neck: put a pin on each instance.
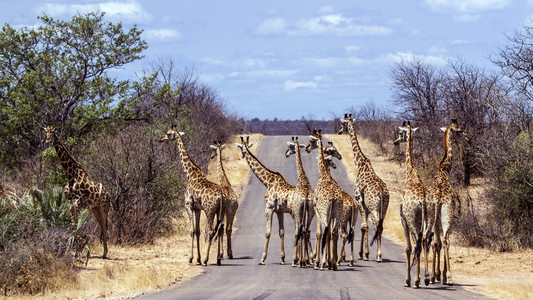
(323, 169)
(302, 177)
(192, 171)
(222, 178)
(72, 168)
(409, 153)
(359, 158)
(266, 176)
(446, 162)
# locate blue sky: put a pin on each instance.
(287, 59)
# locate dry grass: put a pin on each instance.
(496, 275)
(132, 271)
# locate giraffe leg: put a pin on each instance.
(210, 216)
(335, 238)
(351, 241)
(99, 215)
(317, 244)
(196, 228)
(269, 212)
(297, 247)
(229, 229)
(446, 271)
(344, 237)
(417, 262)
(407, 248)
(281, 236)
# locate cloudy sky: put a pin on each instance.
(291, 58)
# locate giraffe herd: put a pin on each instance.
(426, 213)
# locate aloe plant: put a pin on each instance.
(53, 206)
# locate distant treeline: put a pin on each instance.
(289, 127)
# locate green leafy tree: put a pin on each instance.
(57, 73)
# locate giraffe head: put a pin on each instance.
(293, 145)
(457, 130)
(244, 145)
(329, 162)
(50, 131)
(171, 134)
(217, 146)
(330, 150)
(344, 123)
(313, 140)
(405, 129)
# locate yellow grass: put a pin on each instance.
(132, 271)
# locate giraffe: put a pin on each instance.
(231, 198)
(370, 188)
(81, 191)
(350, 208)
(278, 199)
(200, 194)
(328, 201)
(412, 207)
(303, 192)
(442, 199)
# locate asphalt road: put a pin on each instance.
(243, 278)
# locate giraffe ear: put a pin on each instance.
(443, 129)
(213, 147)
(181, 133)
(414, 129)
(290, 144)
(302, 146)
(223, 146)
(250, 145)
(239, 145)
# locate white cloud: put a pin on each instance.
(467, 6)
(398, 57)
(163, 34)
(335, 25)
(327, 9)
(124, 10)
(292, 85)
(271, 26)
(467, 18)
(459, 42)
(352, 48)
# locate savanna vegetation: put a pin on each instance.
(59, 74)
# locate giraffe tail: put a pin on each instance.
(379, 228)
(418, 249)
(219, 227)
(352, 224)
(303, 220)
(326, 230)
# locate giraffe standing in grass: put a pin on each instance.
(278, 199)
(200, 194)
(369, 187)
(412, 207)
(303, 192)
(232, 204)
(441, 197)
(328, 201)
(81, 191)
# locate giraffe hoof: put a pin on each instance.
(262, 263)
(426, 281)
(407, 284)
(282, 263)
(417, 284)
(219, 262)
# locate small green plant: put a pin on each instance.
(78, 241)
(53, 206)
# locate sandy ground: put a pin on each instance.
(496, 275)
(133, 271)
